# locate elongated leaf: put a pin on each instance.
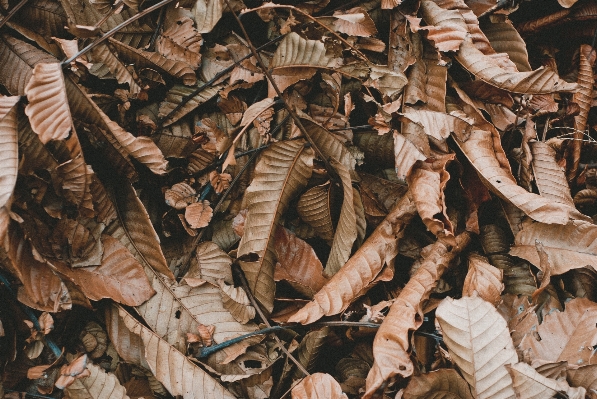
(314, 208)
(504, 38)
(119, 277)
(362, 268)
(529, 384)
(442, 384)
(569, 335)
(391, 344)
(427, 81)
(99, 385)
(281, 173)
(480, 149)
(172, 368)
(571, 246)
(177, 95)
(102, 55)
(318, 386)
(146, 59)
(438, 124)
(479, 343)
(48, 109)
(346, 231)
(45, 17)
(212, 265)
(207, 13)
(9, 162)
(549, 176)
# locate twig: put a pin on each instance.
(50, 344)
(109, 13)
(114, 30)
(238, 272)
(500, 4)
(156, 32)
(12, 12)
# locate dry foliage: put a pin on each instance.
(315, 199)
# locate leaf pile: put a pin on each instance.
(327, 199)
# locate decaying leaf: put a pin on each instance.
(442, 383)
(479, 343)
(528, 383)
(483, 278)
(318, 386)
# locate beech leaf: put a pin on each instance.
(529, 384)
(442, 384)
(318, 386)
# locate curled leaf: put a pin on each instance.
(318, 386)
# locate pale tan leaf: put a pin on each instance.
(98, 385)
(9, 162)
(346, 230)
(391, 344)
(481, 150)
(207, 13)
(181, 42)
(569, 335)
(235, 300)
(389, 82)
(119, 277)
(48, 109)
(314, 208)
(571, 246)
(406, 155)
(442, 384)
(71, 372)
(199, 214)
(483, 278)
(172, 368)
(362, 268)
(297, 263)
(281, 173)
(212, 265)
(549, 176)
(529, 384)
(354, 22)
(585, 377)
(146, 59)
(479, 343)
(318, 386)
(296, 59)
(448, 29)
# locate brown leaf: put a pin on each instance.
(9, 163)
(180, 196)
(73, 371)
(237, 302)
(483, 278)
(181, 42)
(354, 22)
(362, 268)
(442, 384)
(391, 344)
(314, 208)
(318, 386)
(281, 173)
(297, 263)
(212, 265)
(97, 385)
(528, 383)
(568, 335)
(199, 214)
(48, 109)
(219, 181)
(207, 13)
(549, 176)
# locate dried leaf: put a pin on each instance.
(98, 385)
(549, 176)
(180, 100)
(479, 343)
(318, 386)
(442, 384)
(281, 173)
(237, 302)
(73, 371)
(354, 22)
(483, 278)
(362, 268)
(391, 344)
(172, 368)
(314, 208)
(181, 42)
(207, 13)
(48, 109)
(102, 57)
(297, 263)
(212, 265)
(528, 383)
(9, 163)
(569, 335)
(198, 214)
(180, 196)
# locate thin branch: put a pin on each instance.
(12, 12)
(109, 13)
(114, 30)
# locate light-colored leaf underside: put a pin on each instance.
(549, 176)
(9, 161)
(528, 383)
(314, 208)
(99, 385)
(281, 173)
(479, 342)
